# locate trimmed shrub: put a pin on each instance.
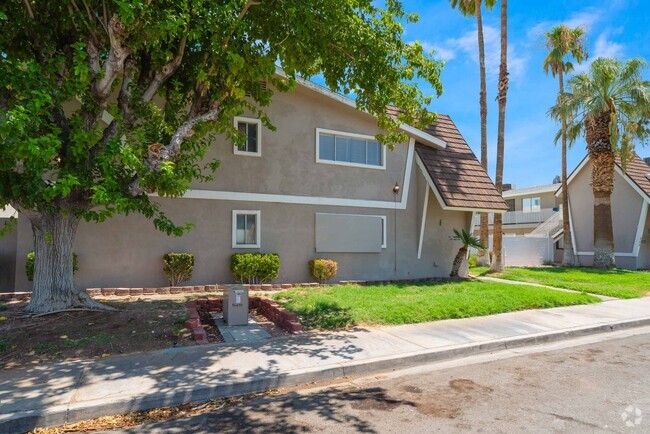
(471, 262)
(178, 267)
(323, 269)
(29, 265)
(255, 268)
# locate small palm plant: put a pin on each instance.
(468, 241)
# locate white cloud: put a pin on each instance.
(603, 47)
(606, 48)
(440, 53)
(586, 18)
(468, 44)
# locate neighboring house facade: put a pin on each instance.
(319, 186)
(531, 210)
(631, 225)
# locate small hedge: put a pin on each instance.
(29, 265)
(255, 268)
(323, 269)
(178, 267)
(471, 262)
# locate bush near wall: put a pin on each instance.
(471, 262)
(29, 265)
(178, 267)
(323, 269)
(255, 268)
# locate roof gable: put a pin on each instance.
(637, 175)
(458, 177)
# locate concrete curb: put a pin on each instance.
(73, 412)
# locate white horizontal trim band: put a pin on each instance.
(282, 198)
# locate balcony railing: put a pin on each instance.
(520, 217)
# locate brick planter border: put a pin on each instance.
(124, 292)
(201, 308)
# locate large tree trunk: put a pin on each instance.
(497, 243)
(602, 183)
(568, 258)
(602, 179)
(458, 261)
(482, 257)
(53, 286)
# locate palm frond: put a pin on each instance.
(468, 239)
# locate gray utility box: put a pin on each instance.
(235, 305)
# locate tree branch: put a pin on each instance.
(114, 64)
(166, 71)
(159, 153)
(28, 6)
(243, 12)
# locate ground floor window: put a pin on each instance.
(246, 229)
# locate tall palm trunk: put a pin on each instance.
(53, 287)
(568, 258)
(497, 245)
(482, 257)
(602, 184)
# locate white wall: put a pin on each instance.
(526, 251)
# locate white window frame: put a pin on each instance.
(530, 209)
(351, 136)
(257, 122)
(258, 229)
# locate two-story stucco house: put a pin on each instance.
(631, 225)
(320, 186)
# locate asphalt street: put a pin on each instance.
(595, 387)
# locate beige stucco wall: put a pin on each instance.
(127, 251)
(626, 209)
(288, 162)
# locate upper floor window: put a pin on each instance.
(531, 204)
(252, 129)
(349, 149)
(511, 204)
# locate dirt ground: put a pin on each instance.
(138, 325)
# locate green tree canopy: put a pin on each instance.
(105, 101)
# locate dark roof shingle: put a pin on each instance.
(456, 172)
(638, 171)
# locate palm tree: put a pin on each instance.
(610, 105)
(561, 42)
(497, 227)
(468, 241)
(473, 8)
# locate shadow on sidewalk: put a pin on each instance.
(189, 374)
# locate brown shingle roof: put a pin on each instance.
(638, 171)
(456, 172)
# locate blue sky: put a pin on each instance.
(616, 28)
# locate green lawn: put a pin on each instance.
(615, 283)
(337, 307)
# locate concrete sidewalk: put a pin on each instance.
(71, 391)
